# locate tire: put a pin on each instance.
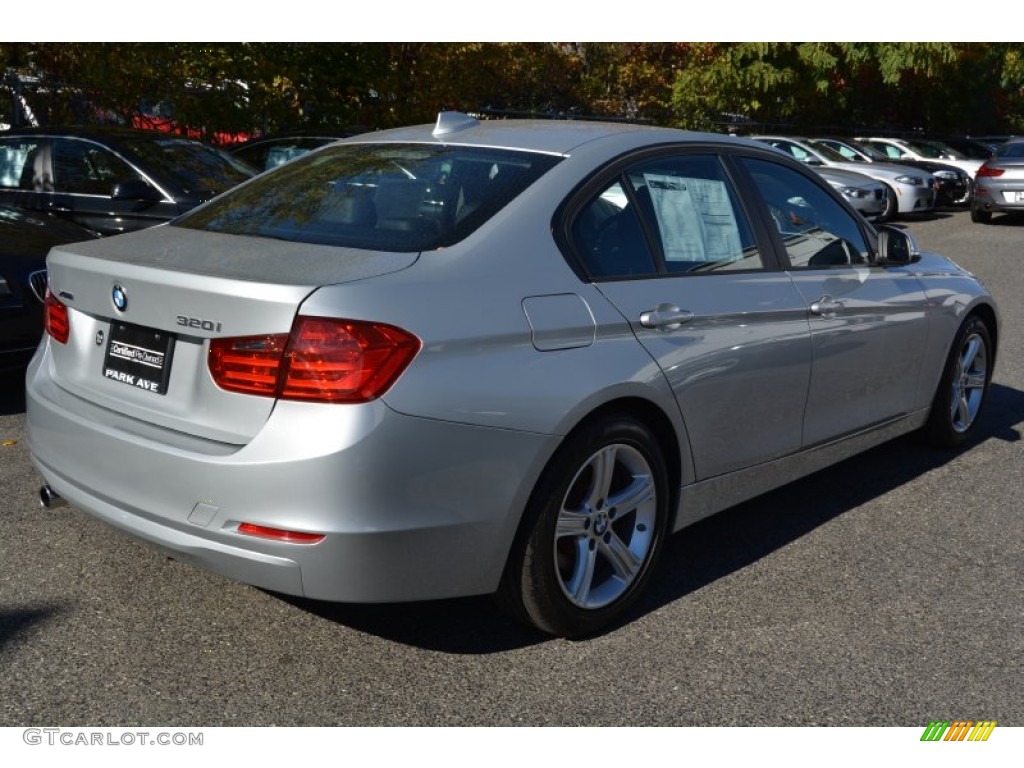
(979, 216)
(592, 532)
(963, 389)
(892, 205)
(966, 198)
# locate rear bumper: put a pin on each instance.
(411, 508)
(1002, 197)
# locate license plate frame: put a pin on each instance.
(139, 357)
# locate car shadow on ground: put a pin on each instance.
(1006, 220)
(17, 621)
(699, 555)
(935, 214)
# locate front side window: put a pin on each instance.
(198, 169)
(673, 214)
(387, 197)
(81, 167)
(815, 229)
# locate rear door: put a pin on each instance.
(667, 242)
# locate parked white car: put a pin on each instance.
(904, 149)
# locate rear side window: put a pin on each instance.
(674, 214)
(24, 165)
(387, 197)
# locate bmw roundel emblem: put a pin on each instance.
(120, 298)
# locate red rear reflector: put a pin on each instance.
(55, 318)
(279, 534)
(322, 359)
(986, 171)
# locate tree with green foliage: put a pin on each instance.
(235, 88)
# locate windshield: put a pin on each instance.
(387, 197)
(829, 154)
(945, 151)
(870, 151)
(198, 168)
(925, 150)
(849, 154)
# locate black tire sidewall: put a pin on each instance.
(531, 578)
(892, 205)
(940, 424)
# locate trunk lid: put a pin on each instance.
(180, 288)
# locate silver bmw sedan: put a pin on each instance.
(499, 357)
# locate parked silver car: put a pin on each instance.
(910, 190)
(863, 193)
(953, 186)
(490, 357)
(999, 185)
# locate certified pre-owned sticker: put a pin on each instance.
(139, 357)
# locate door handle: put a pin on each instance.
(826, 307)
(665, 317)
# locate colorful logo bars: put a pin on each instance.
(958, 730)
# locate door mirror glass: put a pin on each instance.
(896, 246)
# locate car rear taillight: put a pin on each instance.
(249, 364)
(55, 318)
(988, 171)
(280, 534)
(322, 360)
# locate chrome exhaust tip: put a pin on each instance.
(50, 499)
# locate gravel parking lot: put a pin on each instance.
(886, 590)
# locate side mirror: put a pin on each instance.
(896, 246)
(136, 189)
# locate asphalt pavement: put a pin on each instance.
(886, 590)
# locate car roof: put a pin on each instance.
(327, 134)
(107, 134)
(548, 136)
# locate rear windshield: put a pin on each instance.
(1011, 149)
(386, 197)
